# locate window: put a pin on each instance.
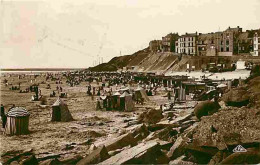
(227, 42)
(227, 49)
(227, 35)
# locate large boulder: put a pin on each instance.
(206, 108)
(152, 116)
(232, 126)
(177, 149)
(120, 142)
(201, 155)
(237, 97)
(140, 132)
(252, 156)
(98, 155)
(71, 160)
(145, 153)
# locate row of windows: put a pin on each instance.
(187, 39)
(186, 44)
(188, 51)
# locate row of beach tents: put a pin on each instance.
(18, 117)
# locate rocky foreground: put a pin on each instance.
(175, 136)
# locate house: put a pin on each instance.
(256, 43)
(168, 42)
(155, 45)
(186, 44)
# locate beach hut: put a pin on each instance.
(141, 94)
(116, 100)
(126, 102)
(17, 121)
(60, 111)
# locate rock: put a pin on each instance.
(50, 162)
(216, 159)
(15, 155)
(71, 160)
(228, 127)
(186, 125)
(98, 155)
(158, 126)
(190, 131)
(206, 108)
(114, 152)
(222, 105)
(202, 155)
(29, 160)
(236, 97)
(92, 147)
(164, 145)
(140, 132)
(252, 156)
(120, 142)
(177, 160)
(143, 153)
(181, 162)
(152, 116)
(14, 163)
(177, 149)
(165, 134)
(181, 119)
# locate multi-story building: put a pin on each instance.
(206, 44)
(256, 43)
(224, 43)
(155, 45)
(186, 44)
(168, 42)
(244, 43)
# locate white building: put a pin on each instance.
(241, 64)
(256, 42)
(186, 44)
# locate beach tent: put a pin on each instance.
(103, 101)
(140, 93)
(116, 100)
(60, 111)
(17, 121)
(126, 102)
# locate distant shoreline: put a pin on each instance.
(40, 69)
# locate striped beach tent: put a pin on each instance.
(17, 121)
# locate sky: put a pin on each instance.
(82, 33)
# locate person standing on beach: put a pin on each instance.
(3, 116)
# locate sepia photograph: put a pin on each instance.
(114, 82)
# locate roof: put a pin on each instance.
(243, 36)
(116, 94)
(17, 112)
(125, 94)
(208, 36)
(58, 102)
(103, 97)
(189, 35)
